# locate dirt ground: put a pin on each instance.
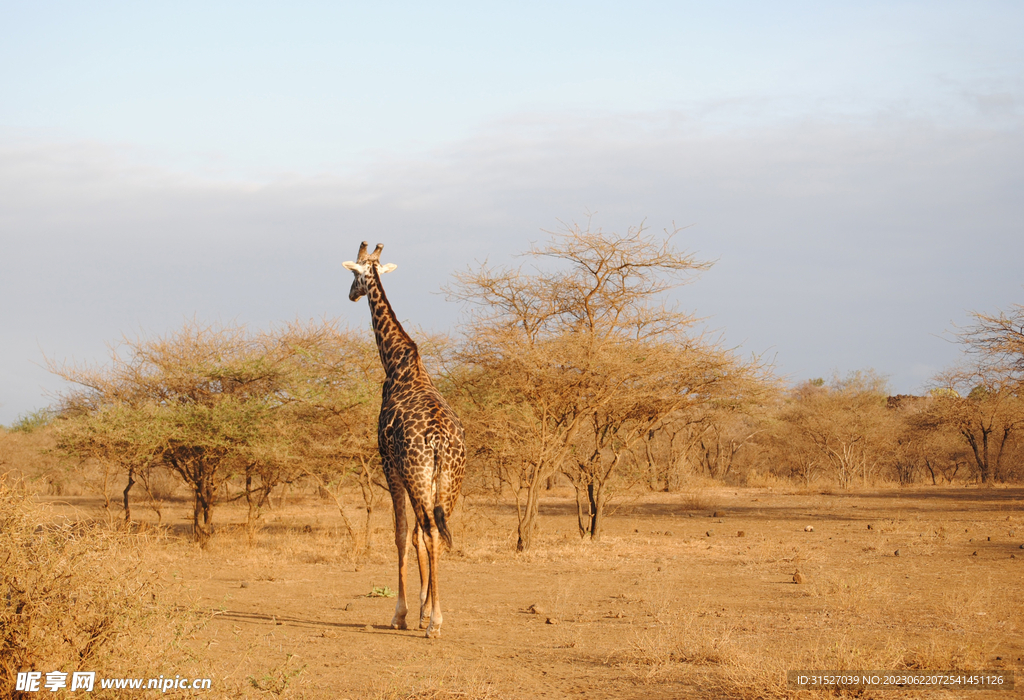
(687, 595)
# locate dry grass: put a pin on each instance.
(449, 681)
(26, 456)
(656, 609)
(696, 501)
(76, 596)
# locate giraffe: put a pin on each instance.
(421, 443)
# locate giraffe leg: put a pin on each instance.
(402, 542)
(434, 552)
(424, 564)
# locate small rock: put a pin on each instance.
(709, 533)
(244, 584)
(1022, 546)
(809, 528)
(741, 533)
(368, 628)
(974, 554)
(535, 609)
(870, 526)
(718, 514)
(348, 607)
(552, 621)
(668, 533)
(989, 539)
(896, 553)
(799, 577)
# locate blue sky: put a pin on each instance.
(854, 168)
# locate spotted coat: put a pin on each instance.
(421, 443)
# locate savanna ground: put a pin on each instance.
(687, 595)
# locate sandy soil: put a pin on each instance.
(688, 595)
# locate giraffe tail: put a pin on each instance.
(442, 526)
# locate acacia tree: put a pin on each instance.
(987, 418)
(925, 441)
(997, 340)
(573, 360)
(335, 398)
(119, 435)
(982, 396)
(840, 428)
(200, 401)
(723, 430)
(655, 383)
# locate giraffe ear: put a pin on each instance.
(387, 268)
(349, 265)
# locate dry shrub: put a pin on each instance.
(696, 500)
(449, 682)
(75, 597)
(693, 638)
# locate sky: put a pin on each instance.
(854, 169)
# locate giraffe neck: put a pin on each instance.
(398, 352)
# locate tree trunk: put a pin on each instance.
(202, 514)
(127, 508)
(980, 453)
(652, 470)
(253, 514)
(596, 497)
(528, 519)
(583, 511)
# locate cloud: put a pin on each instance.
(841, 243)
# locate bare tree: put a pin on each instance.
(571, 362)
(926, 443)
(997, 340)
(840, 429)
(983, 404)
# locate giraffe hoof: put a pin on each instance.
(424, 623)
(433, 632)
(397, 624)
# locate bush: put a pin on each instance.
(75, 597)
(33, 421)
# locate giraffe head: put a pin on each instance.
(361, 269)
